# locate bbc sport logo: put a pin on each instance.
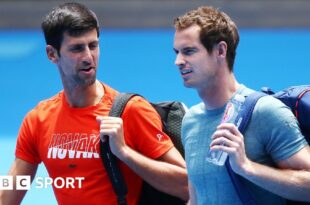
(23, 182)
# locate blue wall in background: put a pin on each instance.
(142, 61)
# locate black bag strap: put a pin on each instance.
(108, 158)
(242, 120)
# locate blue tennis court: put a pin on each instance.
(139, 61)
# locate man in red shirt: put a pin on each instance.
(64, 131)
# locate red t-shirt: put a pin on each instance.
(66, 140)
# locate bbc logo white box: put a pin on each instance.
(6, 183)
(23, 182)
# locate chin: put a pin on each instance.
(188, 85)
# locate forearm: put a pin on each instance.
(164, 176)
(167, 174)
(290, 180)
(11, 197)
(291, 184)
(19, 167)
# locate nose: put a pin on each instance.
(87, 56)
(179, 60)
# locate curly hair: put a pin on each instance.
(215, 26)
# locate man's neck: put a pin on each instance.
(216, 96)
(84, 96)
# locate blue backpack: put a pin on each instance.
(297, 98)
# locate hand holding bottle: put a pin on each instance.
(230, 114)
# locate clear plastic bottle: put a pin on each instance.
(230, 114)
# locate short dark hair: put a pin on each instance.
(73, 18)
(215, 26)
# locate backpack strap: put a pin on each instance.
(108, 158)
(247, 108)
(242, 122)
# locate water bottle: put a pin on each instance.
(230, 114)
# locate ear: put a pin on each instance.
(222, 49)
(52, 53)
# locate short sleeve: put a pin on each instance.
(143, 129)
(280, 132)
(26, 145)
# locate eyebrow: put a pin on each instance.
(186, 48)
(189, 48)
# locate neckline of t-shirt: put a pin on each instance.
(104, 99)
(220, 110)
